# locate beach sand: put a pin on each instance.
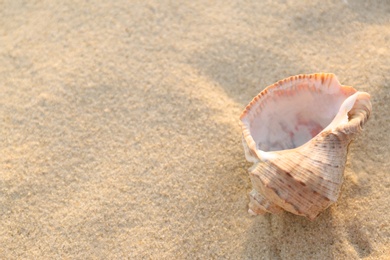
(119, 132)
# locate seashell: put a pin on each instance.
(297, 132)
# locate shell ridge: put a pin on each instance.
(289, 194)
(298, 175)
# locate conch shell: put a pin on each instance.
(297, 132)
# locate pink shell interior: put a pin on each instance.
(293, 111)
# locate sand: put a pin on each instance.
(119, 132)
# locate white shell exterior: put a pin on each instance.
(296, 132)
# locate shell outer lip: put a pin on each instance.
(244, 120)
